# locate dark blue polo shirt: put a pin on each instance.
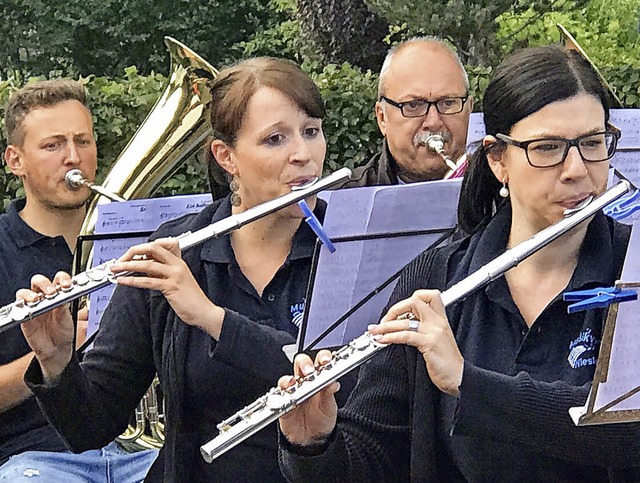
(494, 339)
(23, 253)
(218, 373)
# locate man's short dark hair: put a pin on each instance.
(37, 95)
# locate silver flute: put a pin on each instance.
(101, 275)
(76, 180)
(278, 402)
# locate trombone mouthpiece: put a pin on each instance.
(74, 179)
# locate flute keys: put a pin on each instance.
(81, 279)
(35, 302)
(278, 401)
(19, 311)
(96, 274)
(362, 342)
(66, 289)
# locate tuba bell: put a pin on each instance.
(173, 131)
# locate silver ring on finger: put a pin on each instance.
(414, 322)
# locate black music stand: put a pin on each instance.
(77, 268)
(367, 308)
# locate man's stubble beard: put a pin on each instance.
(432, 168)
(429, 173)
(52, 205)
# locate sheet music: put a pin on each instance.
(628, 163)
(147, 214)
(344, 278)
(132, 217)
(476, 129)
(624, 363)
(343, 281)
(628, 121)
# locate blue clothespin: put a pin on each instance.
(315, 225)
(597, 297)
(624, 207)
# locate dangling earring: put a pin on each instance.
(504, 191)
(234, 186)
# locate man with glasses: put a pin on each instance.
(423, 90)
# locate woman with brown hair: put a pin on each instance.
(210, 321)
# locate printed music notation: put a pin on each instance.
(628, 121)
(146, 215)
(476, 130)
(132, 217)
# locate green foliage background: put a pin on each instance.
(120, 105)
(96, 41)
(608, 31)
(103, 37)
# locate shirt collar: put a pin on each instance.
(22, 233)
(387, 163)
(219, 250)
(595, 261)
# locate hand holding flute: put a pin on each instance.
(429, 331)
(166, 272)
(50, 335)
(312, 421)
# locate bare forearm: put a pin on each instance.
(13, 390)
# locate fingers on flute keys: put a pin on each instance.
(42, 287)
(304, 368)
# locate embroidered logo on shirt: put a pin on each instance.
(583, 350)
(297, 312)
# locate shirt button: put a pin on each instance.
(271, 297)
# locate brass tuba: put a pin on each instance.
(173, 131)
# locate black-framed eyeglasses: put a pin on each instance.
(420, 107)
(549, 152)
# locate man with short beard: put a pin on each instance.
(49, 132)
(423, 90)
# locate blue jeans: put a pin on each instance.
(106, 465)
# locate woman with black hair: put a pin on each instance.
(481, 391)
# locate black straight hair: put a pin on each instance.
(521, 85)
